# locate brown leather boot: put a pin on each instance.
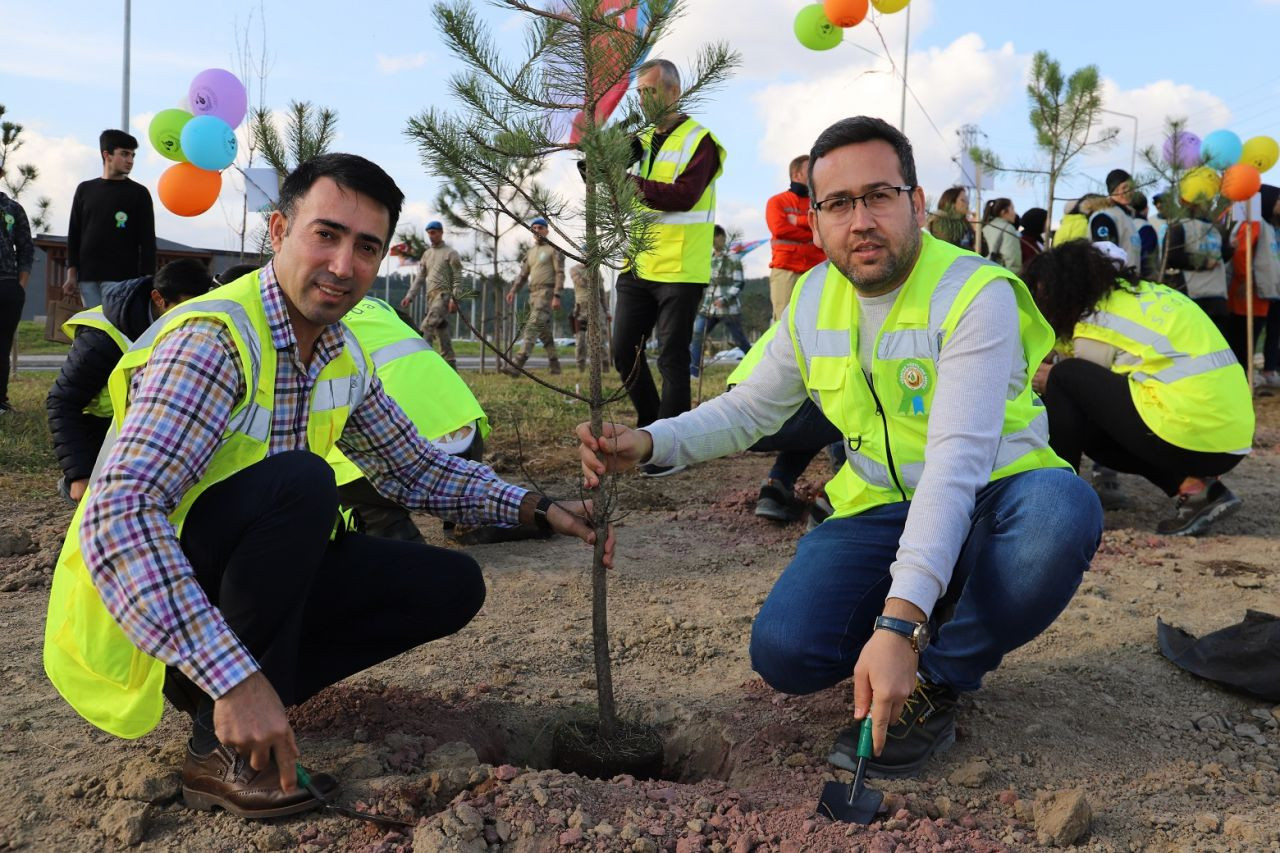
(222, 779)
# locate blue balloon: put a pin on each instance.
(209, 143)
(1221, 149)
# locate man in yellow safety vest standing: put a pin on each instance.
(203, 561)
(678, 163)
(957, 534)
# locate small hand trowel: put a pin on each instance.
(853, 802)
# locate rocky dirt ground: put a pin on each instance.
(1087, 735)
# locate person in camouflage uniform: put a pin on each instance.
(441, 270)
(581, 321)
(543, 269)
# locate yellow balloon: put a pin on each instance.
(1200, 184)
(1262, 152)
(888, 7)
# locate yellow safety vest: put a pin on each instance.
(1074, 226)
(752, 358)
(682, 240)
(99, 406)
(87, 656)
(885, 420)
(1187, 385)
(424, 386)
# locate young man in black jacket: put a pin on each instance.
(78, 407)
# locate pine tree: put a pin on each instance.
(513, 110)
(1064, 111)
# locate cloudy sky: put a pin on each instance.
(380, 63)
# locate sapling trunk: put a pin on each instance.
(603, 498)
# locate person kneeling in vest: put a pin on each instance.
(78, 404)
(203, 562)
(441, 406)
(1152, 389)
(958, 534)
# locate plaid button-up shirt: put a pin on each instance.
(180, 405)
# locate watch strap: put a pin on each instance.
(902, 627)
(540, 514)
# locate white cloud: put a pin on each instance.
(761, 32)
(397, 64)
(956, 84)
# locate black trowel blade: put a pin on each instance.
(835, 803)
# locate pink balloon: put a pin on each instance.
(216, 92)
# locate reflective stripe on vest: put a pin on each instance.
(1011, 448)
(885, 419)
(680, 241)
(385, 355)
(1184, 364)
(87, 656)
(898, 343)
(94, 318)
(1184, 381)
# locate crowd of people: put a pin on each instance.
(955, 368)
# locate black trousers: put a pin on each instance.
(1237, 335)
(313, 611)
(1091, 412)
(644, 309)
(12, 297)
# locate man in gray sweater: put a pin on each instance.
(958, 535)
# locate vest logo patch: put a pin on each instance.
(121, 218)
(913, 377)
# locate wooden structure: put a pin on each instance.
(59, 308)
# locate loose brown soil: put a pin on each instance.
(456, 736)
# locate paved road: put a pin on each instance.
(465, 362)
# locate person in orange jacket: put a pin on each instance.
(787, 215)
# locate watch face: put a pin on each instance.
(921, 636)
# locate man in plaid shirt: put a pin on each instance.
(255, 605)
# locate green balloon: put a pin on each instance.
(814, 31)
(165, 133)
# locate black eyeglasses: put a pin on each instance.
(877, 201)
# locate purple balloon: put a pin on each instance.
(1188, 150)
(215, 92)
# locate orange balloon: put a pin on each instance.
(188, 190)
(1241, 182)
(845, 13)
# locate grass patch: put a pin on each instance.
(26, 449)
(31, 340)
(533, 420)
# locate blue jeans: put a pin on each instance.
(704, 325)
(91, 292)
(1032, 538)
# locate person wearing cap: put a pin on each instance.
(543, 269)
(1151, 388)
(1114, 222)
(441, 270)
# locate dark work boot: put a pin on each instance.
(926, 725)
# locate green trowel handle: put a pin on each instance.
(864, 738)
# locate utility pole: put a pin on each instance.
(906, 46)
(124, 99)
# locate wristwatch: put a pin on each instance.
(540, 514)
(916, 632)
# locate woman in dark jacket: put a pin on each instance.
(128, 308)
